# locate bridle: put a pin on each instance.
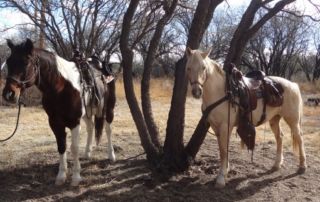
(195, 83)
(26, 83)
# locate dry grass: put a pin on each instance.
(159, 88)
(310, 87)
(28, 162)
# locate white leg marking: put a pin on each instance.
(89, 126)
(111, 154)
(223, 140)
(76, 178)
(63, 168)
(275, 127)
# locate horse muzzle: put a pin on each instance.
(196, 91)
(11, 96)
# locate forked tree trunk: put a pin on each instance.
(145, 82)
(127, 60)
(174, 155)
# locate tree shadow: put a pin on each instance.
(131, 179)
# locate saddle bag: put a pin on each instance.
(247, 132)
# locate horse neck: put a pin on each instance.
(49, 75)
(214, 87)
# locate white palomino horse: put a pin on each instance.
(208, 80)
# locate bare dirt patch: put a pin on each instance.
(29, 164)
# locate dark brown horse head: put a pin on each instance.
(21, 70)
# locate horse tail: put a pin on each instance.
(98, 122)
(111, 101)
(295, 134)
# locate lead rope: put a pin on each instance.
(228, 139)
(17, 122)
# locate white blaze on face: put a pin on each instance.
(69, 71)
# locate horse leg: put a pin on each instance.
(76, 178)
(298, 145)
(223, 140)
(89, 126)
(109, 119)
(60, 134)
(275, 127)
(111, 154)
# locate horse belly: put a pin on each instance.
(258, 112)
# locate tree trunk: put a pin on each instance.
(145, 82)
(316, 71)
(127, 60)
(42, 24)
(173, 146)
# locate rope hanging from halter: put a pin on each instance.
(17, 122)
(23, 84)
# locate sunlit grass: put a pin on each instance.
(310, 87)
(159, 88)
(35, 135)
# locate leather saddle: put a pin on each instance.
(87, 76)
(249, 89)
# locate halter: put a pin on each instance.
(26, 83)
(196, 82)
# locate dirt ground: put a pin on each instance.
(29, 164)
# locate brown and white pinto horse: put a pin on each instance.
(63, 99)
(208, 80)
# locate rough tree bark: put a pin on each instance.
(145, 82)
(145, 124)
(247, 28)
(127, 60)
(173, 147)
(316, 71)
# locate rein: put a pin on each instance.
(207, 111)
(17, 122)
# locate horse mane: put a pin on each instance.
(217, 67)
(48, 58)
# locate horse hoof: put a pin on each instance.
(219, 185)
(275, 168)
(75, 181)
(220, 182)
(112, 158)
(60, 181)
(301, 170)
(87, 155)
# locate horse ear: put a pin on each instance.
(10, 44)
(189, 52)
(206, 53)
(28, 45)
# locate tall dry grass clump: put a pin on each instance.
(160, 88)
(310, 87)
